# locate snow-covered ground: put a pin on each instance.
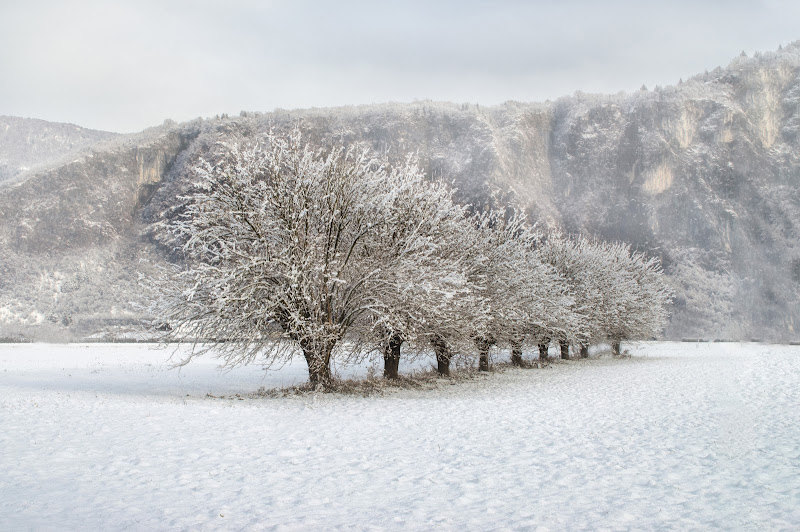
(679, 436)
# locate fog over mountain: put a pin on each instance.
(27, 142)
(703, 174)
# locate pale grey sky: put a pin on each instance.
(124, 66)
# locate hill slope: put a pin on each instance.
(27, 143)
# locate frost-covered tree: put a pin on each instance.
(438, 304)
(288, 247)
(430, 289)
(636, 295)
(614, 294)
(517, 288)
(585, 272)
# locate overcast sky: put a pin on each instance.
(124, 66)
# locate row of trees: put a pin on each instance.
(339, 254)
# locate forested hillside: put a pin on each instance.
(703, 174)
(28, 143)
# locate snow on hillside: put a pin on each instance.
(679, 436)
(28, 142)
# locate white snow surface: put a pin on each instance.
(678, 436)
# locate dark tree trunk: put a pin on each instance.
(615, 348)
(584, 350)
(319, 371)
(516, 353)
(443, 365)
(483, 344)
(564, 349)
(443, 355)
(543, 347)
(391, 357)
(318, 358)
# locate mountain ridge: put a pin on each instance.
(703, 174)
(27, 143)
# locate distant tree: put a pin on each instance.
(636, 294)
(518, 290)
(575, 320)
(614, 294)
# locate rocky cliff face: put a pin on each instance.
(704, 174)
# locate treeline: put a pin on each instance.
(343, 254)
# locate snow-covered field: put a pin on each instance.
(679, 436)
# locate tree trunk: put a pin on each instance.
(543, 347)
(564, 349)
(319, 371)
(318, 358)
(615, 348)
(443, 355)
(443, 365)
(391, 357)
(516, 353)
(584, 350)
(483, 344)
